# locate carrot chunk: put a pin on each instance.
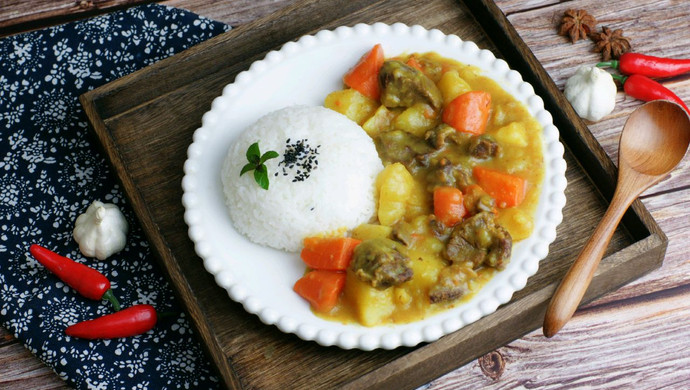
(449, 207)
(321, 288)
(328, 253)
(468, 112)
(364, 77)
(508, 190)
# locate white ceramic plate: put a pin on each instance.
(304, 72)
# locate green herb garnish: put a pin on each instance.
(256, 164)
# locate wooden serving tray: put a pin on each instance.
(145, 123)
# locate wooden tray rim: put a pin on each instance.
(638, 220)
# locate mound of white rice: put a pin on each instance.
(322, 181)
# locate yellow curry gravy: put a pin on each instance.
(510, 126)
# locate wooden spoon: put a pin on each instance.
(654, 140)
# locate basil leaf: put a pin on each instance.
(261, 176)
(268, 155)
(256, 164)
(247, 168)
(253, 153)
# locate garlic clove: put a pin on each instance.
(592, 93)
(101, 230)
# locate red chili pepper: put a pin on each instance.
(643, 88)
(650, 66)
(87, 281)
(127, 322)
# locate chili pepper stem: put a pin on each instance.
(620, 78)
(110, 297)
(609, 64)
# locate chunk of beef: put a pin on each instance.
(452, 283)
(403, 86)
(485, 203)
(477, 200)
(481, 241)
(381, 263)
(438, 136)
(432, 69)
(447, 174)
(482, 147)
(439, 229)
(403, 232)
(401, 146)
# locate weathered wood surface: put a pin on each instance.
(635, 337)
(23, 15)
(132, 125)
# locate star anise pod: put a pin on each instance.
(611, 44)
(577, 24)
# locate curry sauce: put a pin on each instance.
(413, 263)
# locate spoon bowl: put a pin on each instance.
(654, 140)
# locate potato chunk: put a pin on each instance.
(417, 119)
(513, 134)
(352, 104)
(518, 223)
(367, 231)
(395, 185)
(452, 86)
(371, 306)
(379, 122)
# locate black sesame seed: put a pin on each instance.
(299, 158)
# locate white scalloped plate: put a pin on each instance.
(304, 72)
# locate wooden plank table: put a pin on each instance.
(636, 337)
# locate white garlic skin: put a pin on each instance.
(592, 92)
(101, 231)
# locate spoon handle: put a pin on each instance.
(573, 286)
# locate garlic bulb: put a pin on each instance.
(101, 231)
(592, 92)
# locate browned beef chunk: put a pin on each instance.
(403, 232)
(401, 146)
(447, 174)
(484, 203)
(439, 229)
(482, 147)
(477, 200)
(433, 69)
(381, 262)
(452, 283)
(403, 86)
(438, 136)
(479, 240)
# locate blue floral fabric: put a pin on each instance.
(51, 170)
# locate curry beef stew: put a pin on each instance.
(463, 166)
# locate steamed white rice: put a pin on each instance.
(329, 186)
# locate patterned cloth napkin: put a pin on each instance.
(50, 171)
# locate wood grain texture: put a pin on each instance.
(575, 357)
(635, 337)
(22, 15)
(19, 369)
(654, 140)
(234, 13)
(646, 23)
(512, 6)
(130, 125)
